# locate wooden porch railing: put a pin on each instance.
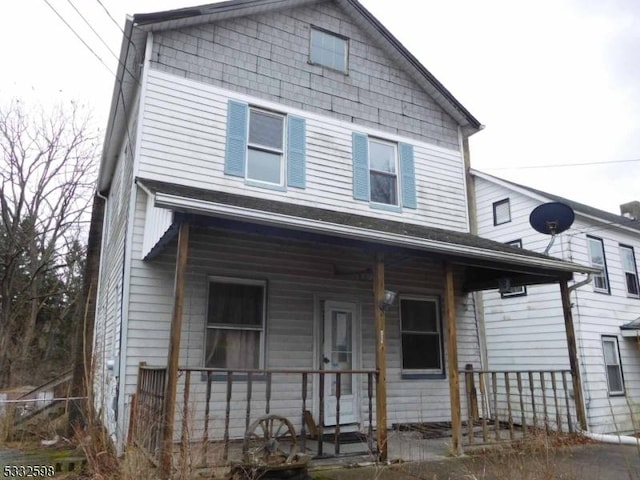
(217, 406)
(506, 405)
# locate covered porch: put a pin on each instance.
(178, 404)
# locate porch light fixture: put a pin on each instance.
(387, 300)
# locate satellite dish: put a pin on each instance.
(551, 219)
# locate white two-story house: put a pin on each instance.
(275, 171)
(525, 328)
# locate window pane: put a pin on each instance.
(610, 354)
(627, 259)
(382, 157)
(264, 166)
(383, 188)
(501, 212)
(596, 253)
(632, 283)
(232, 348)
(615, 378)
(266, 129)
(420, 352)
(235, 304)
(328, 50)
(419, 316)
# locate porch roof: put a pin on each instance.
(487, 261)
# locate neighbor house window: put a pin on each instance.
(328, 49)
(235, 323)
(421, 335)
(501, 212)
(630, 271)
(265, 147)
(597, 258)
(383, 172)
(612, 364)
(514, 291)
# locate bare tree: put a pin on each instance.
(46, 180)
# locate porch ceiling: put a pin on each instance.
(486, 261)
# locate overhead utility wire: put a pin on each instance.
(557, 165)
(135, 49)
(79, 37)
(103, 41)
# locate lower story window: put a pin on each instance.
(612, 364)
(235, 323)
(421, 329)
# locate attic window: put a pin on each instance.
(501, 212)
(328, 49)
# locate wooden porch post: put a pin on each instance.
(381, 357)
(452, 360)
(573, 355)
(174, 352)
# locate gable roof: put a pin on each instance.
(134, 40)
(581, 208)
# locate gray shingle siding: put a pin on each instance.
(267, 56)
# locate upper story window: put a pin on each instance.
(597, 259)
(628, 259)
(383, 172)
(235, 323)
(514, 291)
(501, 212)
(265, 147)
(329, 50)
(421, 329)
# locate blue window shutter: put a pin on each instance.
(408, 171)
(296, 151)
(237, 118)
(360, 153)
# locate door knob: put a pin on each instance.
(325, 359)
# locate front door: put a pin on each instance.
(341, 352)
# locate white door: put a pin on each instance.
(341, 352)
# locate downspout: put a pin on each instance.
(583, 368)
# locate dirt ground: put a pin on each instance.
(584, 462)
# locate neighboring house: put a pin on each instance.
(271, 167)
(525, 328)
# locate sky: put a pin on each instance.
(556, 83)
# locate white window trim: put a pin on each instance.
(630, 249)
(336, 35)
(281, 152)
(613, 339)
(440, 334)
(506, 201)
(237, 281)
(396, 174)
(604, 273)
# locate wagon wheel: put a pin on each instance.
(270, 440)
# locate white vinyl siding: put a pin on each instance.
(527, 333)
(184, 139)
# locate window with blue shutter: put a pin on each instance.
(383, 173)
(236, 151)
(296, 152)
(360, 152)
(258, 150)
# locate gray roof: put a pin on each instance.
(467, 246)
(607, 217)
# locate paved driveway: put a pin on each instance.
(585, 462)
